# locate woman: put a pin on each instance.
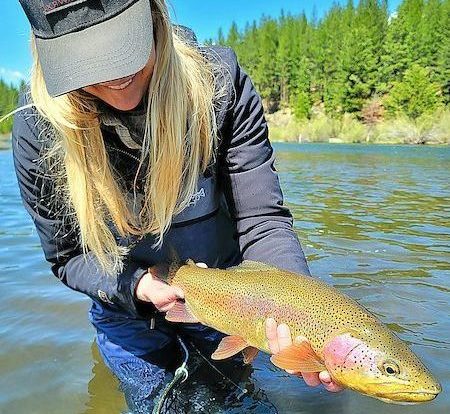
(136, 141)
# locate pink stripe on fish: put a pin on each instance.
(338, 349)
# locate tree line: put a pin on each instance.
(358, 59)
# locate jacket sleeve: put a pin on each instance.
(59, 241)
(252, 188)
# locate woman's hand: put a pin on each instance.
(163, 296)
(279, 338)
(154, 290)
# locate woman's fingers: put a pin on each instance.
(311, 378)
(272, 336)
(162, 295)
(328, 383)
(178, 292)
(279, 338)
(166, 307)
(284, 336)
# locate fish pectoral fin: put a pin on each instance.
(229, 346)
(298, 357)
(181, 313)
(250, 354)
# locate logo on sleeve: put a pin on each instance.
(104, 297)
(51, 6)
(196, 197)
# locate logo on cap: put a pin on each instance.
(52, 6)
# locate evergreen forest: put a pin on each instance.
(357, 74)
(357, 69)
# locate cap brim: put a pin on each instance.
(113, 49)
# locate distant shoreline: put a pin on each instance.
(285, 129)
(431, 130)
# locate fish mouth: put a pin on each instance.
(408, 397)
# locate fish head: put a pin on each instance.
(380, 365)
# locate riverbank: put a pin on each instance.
(5, 141)
(433, 129)
(284, 127)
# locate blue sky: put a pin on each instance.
(204, 16)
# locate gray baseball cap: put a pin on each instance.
(84, 42)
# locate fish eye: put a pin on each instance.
(391, 368)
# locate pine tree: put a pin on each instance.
(367, 31)
(301, 99)
(431, 36)
(266, 75)
(233, 38)
(220, 37)
(250, 54)
(402, 43)
(286, 60)
(327, 77)
(443, 53)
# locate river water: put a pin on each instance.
(373, 221)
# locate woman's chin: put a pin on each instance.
(124, 105)
(123, 100)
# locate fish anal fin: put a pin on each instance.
(250, 354)
(181, 313)
(229, 346)
(298, 357)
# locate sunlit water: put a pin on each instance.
(374, 222)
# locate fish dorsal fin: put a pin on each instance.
(181, 313)
(190, 262)
(250, 354)
(251, 266)
(229, 346)
(298, 357)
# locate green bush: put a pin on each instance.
(415, 95)
(8, 102)
(352, 130)
(427, 129)
(320, 128)
(283, 126)
(440, 129)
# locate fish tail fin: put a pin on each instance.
(175, 263)
(173, 269)
(172, 254)
(167, 270)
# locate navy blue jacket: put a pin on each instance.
(237, 212)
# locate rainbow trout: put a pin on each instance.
(342, 337)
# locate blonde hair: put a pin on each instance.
(179, 142)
